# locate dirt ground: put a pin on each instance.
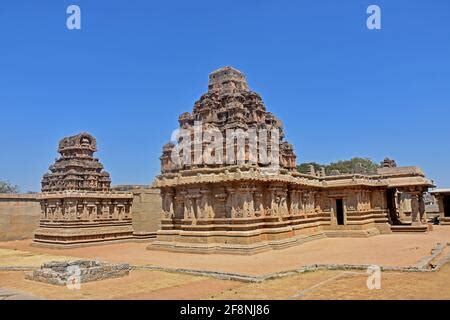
(155, 285)
(387, 250)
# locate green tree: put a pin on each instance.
(343, 166)
(6, 187)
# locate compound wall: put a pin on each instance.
(19, 216)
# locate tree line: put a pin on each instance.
(343, 166)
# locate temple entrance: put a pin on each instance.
(340, 212)
(391, 206)
(447, 206)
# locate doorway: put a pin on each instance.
(391, 206)
(447, 206)
(340, 212)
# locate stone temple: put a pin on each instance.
(78, 206)
(245, 204)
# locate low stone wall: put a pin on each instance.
(19, 216)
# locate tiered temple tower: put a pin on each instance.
(248, 205)
(230, 106)
(77, 169)
(78, 207)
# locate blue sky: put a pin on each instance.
(340, 89)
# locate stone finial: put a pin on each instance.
(311, 170)
(388, 163)
(227, 79)
(81, 141)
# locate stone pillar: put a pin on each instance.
(293, 204)
(258, 203)
(128, 205)
(98, 209)
(400, 206)
(92, 211)
(302, 203)
(422, 212)
(179, 206)
(273, 205)
(415, 214)
(163, 204)
(220, 197)
(195, 206)
(44, 210)
(113, 210)
(168, 206)
(85, 214)
(72, 210)
(317, 208)
(188, 208)
(282, 205)
(249, 206)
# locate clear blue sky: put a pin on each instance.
(341, 89)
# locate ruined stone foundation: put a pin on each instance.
(63, 273)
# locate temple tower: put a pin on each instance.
(77, 204)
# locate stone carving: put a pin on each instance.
(78, 207)
(388, 163)
(76, 169)
(244, 207)
(228, 105)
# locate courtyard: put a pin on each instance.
(165, 275)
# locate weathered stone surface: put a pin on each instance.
(59, 273)
(19, 216)
(77, 169)
(77, 205)
(247, 207)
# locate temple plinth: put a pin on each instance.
(77, 204)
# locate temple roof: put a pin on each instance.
(76, 169)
